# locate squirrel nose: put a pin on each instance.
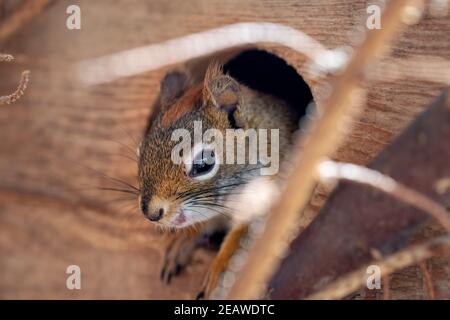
(156, 214)
(153, 214)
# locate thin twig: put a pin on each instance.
(21, 16)
(427, 279)
(351, 282)
(6, 57)
(24, 79)
(324, 138)
(363, 175)
(386, 287)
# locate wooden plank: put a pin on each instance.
(58, 128)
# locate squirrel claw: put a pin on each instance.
(167, 272)
(166, 275)
(200, 295)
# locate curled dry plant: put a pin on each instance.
(24, 79)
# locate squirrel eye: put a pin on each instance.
(203, 164)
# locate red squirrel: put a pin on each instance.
(186, 195)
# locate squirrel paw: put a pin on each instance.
(177, 256)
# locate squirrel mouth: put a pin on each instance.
(180, 219)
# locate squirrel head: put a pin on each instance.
(183, 194)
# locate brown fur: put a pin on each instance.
(182, 106)
(162, 182)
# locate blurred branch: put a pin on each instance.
(346, 171)
(21, 16)
(323, 139)
(356, 220)
(386, 287)
(400, 260)
(151, 57)
(375, 179)
(427, 279)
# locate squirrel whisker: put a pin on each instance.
(209, 208)
(189, 194)
(119, 190)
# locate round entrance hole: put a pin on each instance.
(268, 73)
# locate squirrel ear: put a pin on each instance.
(173, 86)
(221, 90)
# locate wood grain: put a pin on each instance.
(50, 215)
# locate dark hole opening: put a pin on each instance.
(265, 72)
